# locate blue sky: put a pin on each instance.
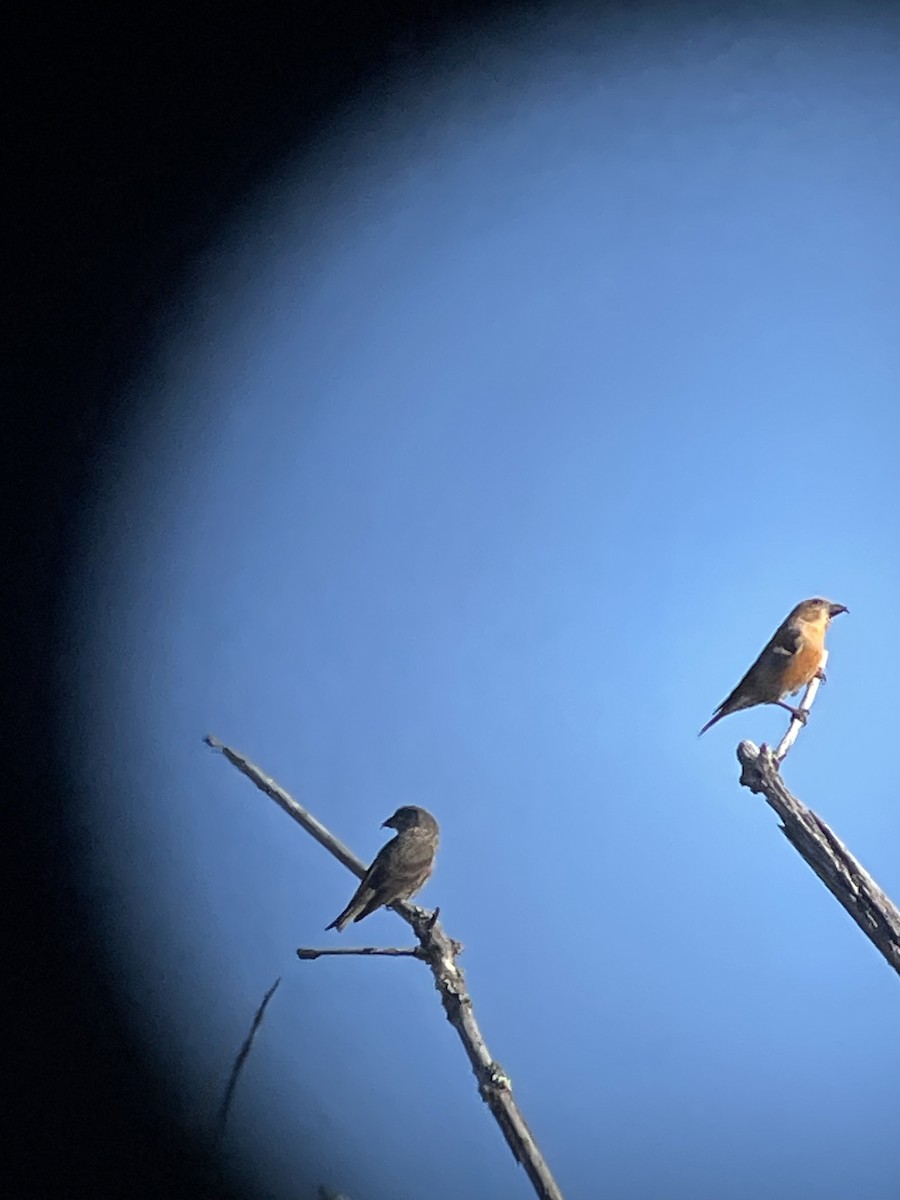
(477, 459)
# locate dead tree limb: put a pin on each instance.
(243, 1055)
(440, 952)
(847, 880)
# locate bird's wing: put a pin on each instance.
(785, 642)
(369, 885)
(383, 865)
(764, 682)
(405, 864)
(404, 858)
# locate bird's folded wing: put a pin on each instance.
(786, 641)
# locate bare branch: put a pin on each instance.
(286, 801)
(805, 705)
(847, 880)
(242, 1056)
(439, 951)
(308, 955)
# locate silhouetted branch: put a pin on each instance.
(847, 880)
(805, 705)
(307, 955)
(440, 952)
(242, 1056)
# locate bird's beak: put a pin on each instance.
(835, 609)
(388, 824)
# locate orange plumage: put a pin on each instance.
(789, 661)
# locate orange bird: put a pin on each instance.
(789, 661)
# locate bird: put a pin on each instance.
(788, 662)
(399, 868)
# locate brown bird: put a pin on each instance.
(399, 869)
(789, 661)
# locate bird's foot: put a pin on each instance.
(821, 676)
(797, 714)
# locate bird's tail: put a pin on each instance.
(731, 704)
(341, 922)
(717, 716)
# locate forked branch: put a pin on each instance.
(440, 952)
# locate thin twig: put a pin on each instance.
(847, 880)
(805, 705)
(440, 952)
(242, 1056)
(307, 954)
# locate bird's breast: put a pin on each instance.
(801, 668)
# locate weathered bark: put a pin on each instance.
(847, 880)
